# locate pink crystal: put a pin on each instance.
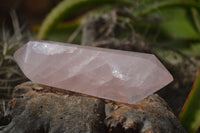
(109, 74)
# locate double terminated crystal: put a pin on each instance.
(110, 74)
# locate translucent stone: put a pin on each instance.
(109, 74)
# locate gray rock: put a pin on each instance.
(47, 110)
(151, 114)
(42, 109)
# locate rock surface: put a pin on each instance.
(41, 109)
(151, 114)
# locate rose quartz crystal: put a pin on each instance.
(109, 74)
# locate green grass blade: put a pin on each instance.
(190, 114)
(70, 8)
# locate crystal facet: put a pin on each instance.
(109, 74)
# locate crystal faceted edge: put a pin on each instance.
(109, 74)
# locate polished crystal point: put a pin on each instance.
(109, 74)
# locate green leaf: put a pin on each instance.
(70, 8)
(176, 25)
(171, 15)
(194, 18)
(155, 5)
(61, 31)
(190, 114)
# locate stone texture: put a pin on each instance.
(41, 109)
(150, 115)
(46, 110)
(109, 74)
